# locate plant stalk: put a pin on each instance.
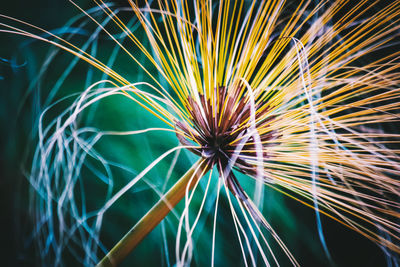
(154, 216)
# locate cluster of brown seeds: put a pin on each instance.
(220, 127)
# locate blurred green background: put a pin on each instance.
(23, 97)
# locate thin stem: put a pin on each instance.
(154, 216)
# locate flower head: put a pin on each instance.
(292, 96)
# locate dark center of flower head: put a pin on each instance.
(225, 132)
(231, 131)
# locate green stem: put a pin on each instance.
(154, 216)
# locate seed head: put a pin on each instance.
(227, 136)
